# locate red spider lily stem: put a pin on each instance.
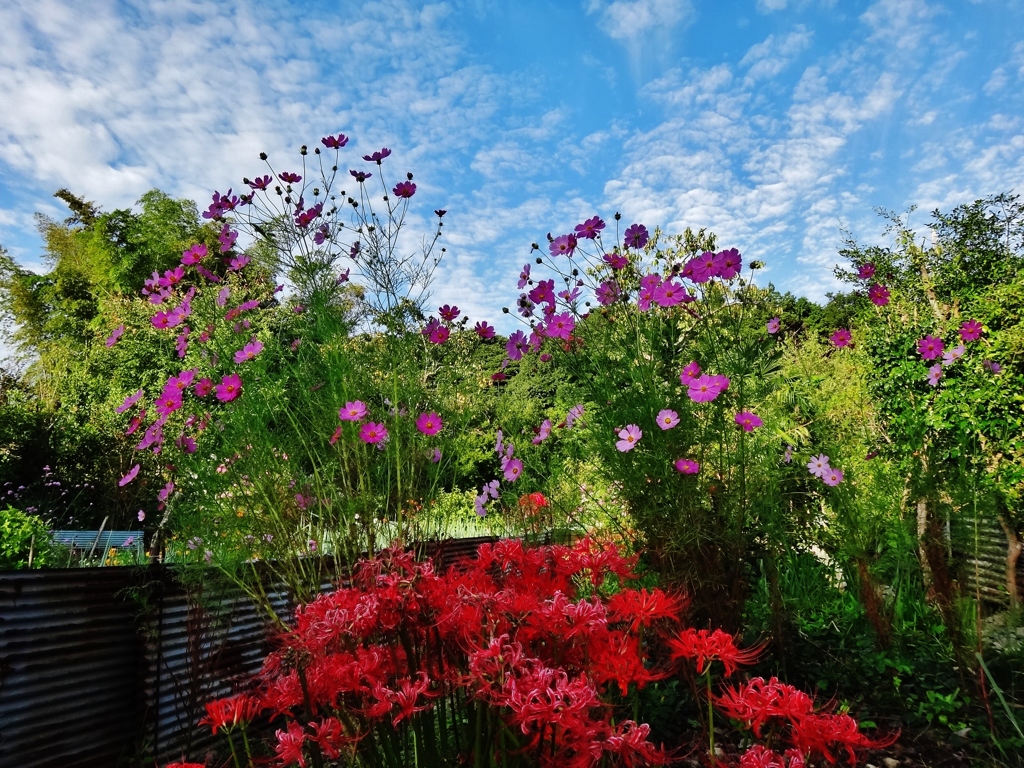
(318, 761)
(234, 753)
(711, 716)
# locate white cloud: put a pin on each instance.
(769, 58)
(647, 28)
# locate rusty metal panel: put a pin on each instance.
(69, 657)
(982, 551)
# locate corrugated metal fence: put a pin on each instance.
(112, 666)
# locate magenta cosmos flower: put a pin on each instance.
(449, 313)
(194, 255)
(404, 189)
(667, 419)
(372, 433)
(841, 338)
(229, 388)
(748, 421)
(879, 295)
(377, 157)
(203, 387)
(628, 437)
(484, 330)
(353, 411)
(590, 228)
(866, 271)
(969, 331)
(129, 402)
(690, 373)
(930, 347)
(636, 236)
(728, 263)
(114, 336)
(773, 325)
(607, 293)
(129, 477)
(429, 423)
(615, 261)
(687, 466)
(706, 388)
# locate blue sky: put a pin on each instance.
(776, 123)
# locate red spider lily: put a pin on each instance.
(507, 631)
(705, 647)
(227, 713)
(643, 608)
(756, 702)
(826, 734)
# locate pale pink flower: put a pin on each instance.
(667, 419)
(628, 437)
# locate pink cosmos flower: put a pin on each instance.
(560, 326)
(991, 366)
(590, 228)
(230, 387)
(704, 267)
(249, 351)
(516, 345)
(186, 444)
(260, 182)
(934, 375)
(181, 343)
(879, 295)
(930, 347)
(728, 263)
(950, 356)
(207, 274)
(429, 423)
(372, 433)
(773, 325)
(563, 245)
(970, 330)
(194, 254)
(114, 336)
(524, 276)
(706, 388)
(669, 293)
(512, 469)
(203, 387)
(787, 456)
(129, 402)
(335, 142)
(132, 473)
(575, 414)
(377, 157)
(748, 421)
(353, 411)
(690, 373)
(667, 419)
(439, 335)
(818, 465)
(832, 476)
(435, 455)
(227, 238)
(141, 516)
(238, 263)
(289, 178)
(404, 189)
(628, 438)
(484, 330)
(687, 466)
(160, 320)
(182, 381)
(607, 293)
(449, 313)
(168, 402)
(636, 236)
(542, 432)
(616, 261)
(223, 295)
(866, 271)
(841, 338)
